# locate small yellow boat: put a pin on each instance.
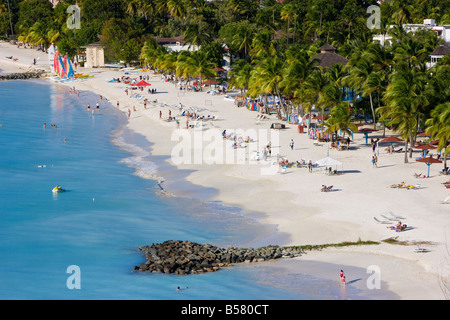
(58, 189)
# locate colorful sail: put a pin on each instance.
(56, 63)
(68, 67)
(62, 71)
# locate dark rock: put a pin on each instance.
(186, 257)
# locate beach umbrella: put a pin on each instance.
(429, 160)
(142, 84)
(391, 139)
(319, 117)
(424, 134)
(424, 147)
(325, 162)
(366, 132)
(209, 82)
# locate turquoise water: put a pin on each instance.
(107, 211)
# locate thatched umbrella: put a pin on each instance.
(391, 139)
(429, 161)
(366, 132)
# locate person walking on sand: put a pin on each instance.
(129, 113)
(310, 166)
(292, 144)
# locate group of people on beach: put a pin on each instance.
(73, 91)
(398, 227)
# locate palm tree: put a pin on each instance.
(262, 44)
(150, 51)
(402, 11)
(314, 87)
(268, 76)
(288, 12)
(240, 75)
(299, 67)
(439, 128)
(176, 8)
(340, 119)
(142, 8)
(404, 99)
(200, 66)
(243, 37)
(360, 69)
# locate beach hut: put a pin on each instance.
(329, 162)
(391, 139)
(429, 161)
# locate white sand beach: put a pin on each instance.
(292, 199)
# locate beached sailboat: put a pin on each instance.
(62, 68)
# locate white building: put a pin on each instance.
(438, 54)
(443, 32)
(95, 55)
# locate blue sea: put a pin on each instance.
(108, 210)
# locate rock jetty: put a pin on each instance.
(186, 257)
(22, 76)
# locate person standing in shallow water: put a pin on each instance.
(342, 277)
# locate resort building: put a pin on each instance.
(176, 44)
(443, 32)
(438, 54)
(95, 55)
(328, 56)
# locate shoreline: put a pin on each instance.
(302, 211)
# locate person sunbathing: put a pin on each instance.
(397, 226)
(395, 185)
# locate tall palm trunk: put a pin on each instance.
(406, 150)
(373, 112)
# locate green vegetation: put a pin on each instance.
(271, 45)
(395, 240)
(334, 245)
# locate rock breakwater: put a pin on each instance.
(186, 257)
(22, 76)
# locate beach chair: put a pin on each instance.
(398, 185)
(446, 200)
(381, 222)
(326, 189)
(396, 217)
(418, 175)
(421, 250)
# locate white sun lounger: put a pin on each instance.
(382, 222)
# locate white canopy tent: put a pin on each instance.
(329, 162)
